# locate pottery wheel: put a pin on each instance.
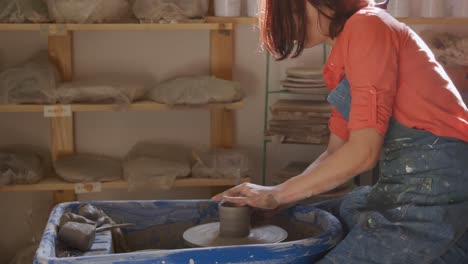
(208, 236)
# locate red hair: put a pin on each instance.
(284, 23)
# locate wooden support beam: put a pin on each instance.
(222, 121)
(61, 53)
(63, 197)
(62, 134)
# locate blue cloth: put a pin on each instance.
(417, 212)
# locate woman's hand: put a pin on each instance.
(251, 194)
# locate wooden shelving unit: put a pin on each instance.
(434, 21)
(139, 106)
(61, 53)
(56, 184)
(409, 21)
(57, 28)
(233, 20)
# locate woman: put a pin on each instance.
(392, 101)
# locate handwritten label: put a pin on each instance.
(91, 187)
(57, 111)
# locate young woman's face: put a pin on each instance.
(317, 27)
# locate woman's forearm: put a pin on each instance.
(327, 173)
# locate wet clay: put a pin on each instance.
(92, 213)
(234, 221)
(77, 236)
(71, 217)
(81, 236)
(233, 229)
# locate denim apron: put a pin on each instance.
(418, 210)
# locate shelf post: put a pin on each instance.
(221, 62)
(62, 129)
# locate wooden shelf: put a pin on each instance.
(56, 184)
(58, 28)
(212, 23)
(434, 21)
(139, 106)
(409, 21)
(233, 20)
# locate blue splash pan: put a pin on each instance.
(157, 236)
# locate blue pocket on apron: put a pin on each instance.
(340, 98)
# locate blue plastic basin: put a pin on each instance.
(160, 225)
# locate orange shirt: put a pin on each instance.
(392, 73)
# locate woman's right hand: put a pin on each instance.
(264, 197)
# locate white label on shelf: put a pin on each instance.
(57, 111)
(90, 187)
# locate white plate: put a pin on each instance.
(309, 91)
(302, 80)
(304, 72)
(302, 85)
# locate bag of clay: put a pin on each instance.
(32, 82)
(88, 168)
(449, 50)
(89, 11)
(23, 164)
(169, 10)
(102, 90)
(153, 165)
(196, 91)
(25, 256)
(23, 11)
(220, 163)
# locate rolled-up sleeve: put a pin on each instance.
(338, 125)
(371, 66)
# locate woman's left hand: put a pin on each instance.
(251, 194)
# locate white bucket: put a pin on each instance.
(227, 8)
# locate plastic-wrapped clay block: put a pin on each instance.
(23, 11)
(196, 91)
(32, 82)
(89, 11)
(155, 165)
(169, 10)
(23, 164)
(88, 168)
(220, 164)
(103, 90)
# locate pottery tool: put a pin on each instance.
(232, 229)
(81, 236)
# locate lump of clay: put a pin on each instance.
(23, 164)
(88, 168)
(89, 11)
(104, 90)
(71, 217)
(23, 11)
(169, 10)
(220, 163)
(32, 82)
(154, 165)
(92, 213)
(77, 235)
(448, 49)
(196, 91)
